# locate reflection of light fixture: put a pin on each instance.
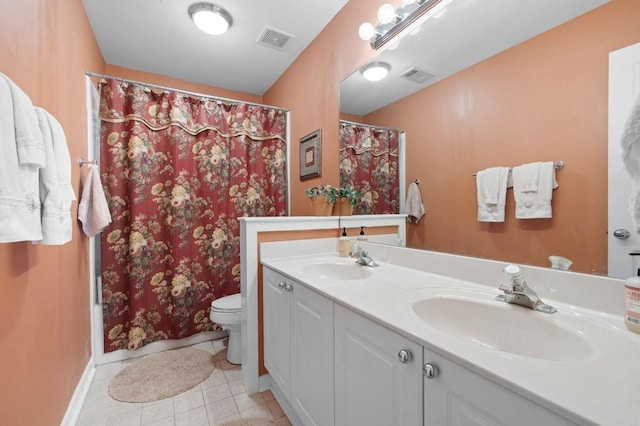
(375, 71)
(210, 18)
(386, 13)
(366, 31)
(411, 14)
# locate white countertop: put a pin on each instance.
(600, 389)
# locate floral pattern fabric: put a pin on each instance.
(369, 163)
(178, 171)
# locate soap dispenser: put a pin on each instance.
(343, 244)
(361, 237)
(632, 308)
(632, 298)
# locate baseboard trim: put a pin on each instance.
(77, 400)
(283, 402)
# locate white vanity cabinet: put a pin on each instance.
(298, 346)
(378, 374)
(456, 396)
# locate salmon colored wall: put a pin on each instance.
(174, 83)
(545, 99)
(309, 88)
(45, 337)
(351, 117)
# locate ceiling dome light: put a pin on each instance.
(366, 31)
(386, 13)
(210, 18)
(375, 71)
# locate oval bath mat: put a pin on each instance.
(162, 375)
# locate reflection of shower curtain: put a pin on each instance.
(178, 170)
(369, 163)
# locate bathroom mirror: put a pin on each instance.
(457, 87)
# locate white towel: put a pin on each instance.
(631, 160)
(21, 154)
(56, 193)
(413, 205)
(491, 185)
(534, 204)
(93, 210)
(27, 133)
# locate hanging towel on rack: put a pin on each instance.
(413, 205)
(93, 210)
(630, 142)
(491, 186)
(21, 155)
(56, 192)
(533, 200)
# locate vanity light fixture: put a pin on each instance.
(375, 71)
(210, 18)
(411, 14)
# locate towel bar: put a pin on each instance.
(558, 165)
(82, 161)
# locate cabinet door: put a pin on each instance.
(276, 320)
(372, 386)
(312, 356)
(457, 396)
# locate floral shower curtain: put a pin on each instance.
(177, 171)
(369, 163)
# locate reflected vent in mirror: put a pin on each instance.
(273, 38)
(416, 75)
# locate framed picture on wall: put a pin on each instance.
(311, 155)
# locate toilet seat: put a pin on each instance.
(227, 304)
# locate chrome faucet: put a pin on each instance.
(517, 292)
(361, 255)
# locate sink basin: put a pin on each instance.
(503, 327)
(338, 271)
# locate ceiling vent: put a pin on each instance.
(273, 38)
(416, 75)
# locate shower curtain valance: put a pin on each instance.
(159, 110)
(361, 139)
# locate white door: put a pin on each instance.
(624, 89)
(455, 396)
(373, 387)
(312, 356)
(277, 337)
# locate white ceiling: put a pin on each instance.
(469, 32)
(158, 36)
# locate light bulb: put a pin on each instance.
(210, 18)
(210, 22)
(366, 31)
(386, 13)
(375, 71)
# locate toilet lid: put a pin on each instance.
(227, 303)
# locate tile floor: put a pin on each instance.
(221, 397)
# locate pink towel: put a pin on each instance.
(93, 210)
(413, 204)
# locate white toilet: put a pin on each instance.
(226, 311)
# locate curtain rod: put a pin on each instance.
(369, 125)
(186, 92)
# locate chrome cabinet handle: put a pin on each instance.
(430, 370)
(288, 288)
(281, 285)
(621, 234)
(405, 356)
